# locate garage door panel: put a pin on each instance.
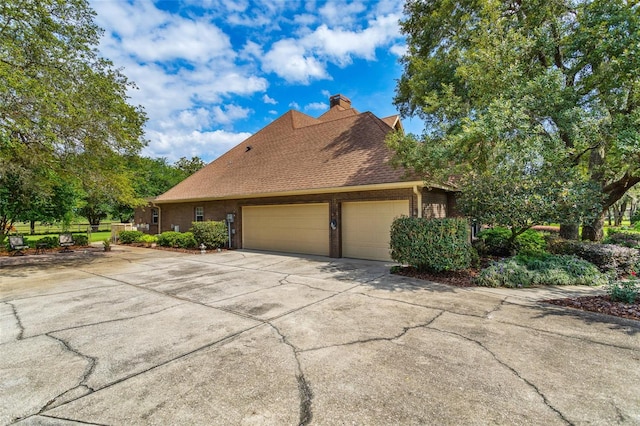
(292, 228)
(366, 226)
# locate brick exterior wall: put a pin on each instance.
(183, 214)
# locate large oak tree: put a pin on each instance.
(528, 85)
(61, 104)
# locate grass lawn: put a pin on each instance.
(95, 236)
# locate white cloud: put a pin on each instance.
(229, 114)
(289, 60)
(267, 100)
(316, 106)
(341, 12)
(294, 105)
(206, 145)
(304, 59)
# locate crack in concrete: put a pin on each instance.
(304, 389)
(391, 339)
(510, 368)
(70, 420)
(419, 305)
(123, 379)
(61, 292)
(496, 308)
(18, 320)
(503, 303)
(114, 320)
(92, 361)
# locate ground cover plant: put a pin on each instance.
(544, 268)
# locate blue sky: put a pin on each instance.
(209, 73)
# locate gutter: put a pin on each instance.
(332, 190)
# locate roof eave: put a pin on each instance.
(314, 191)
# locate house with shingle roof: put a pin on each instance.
(309, 185)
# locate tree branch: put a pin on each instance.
(616, 190)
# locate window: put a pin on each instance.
(154, 216)
(199, 214)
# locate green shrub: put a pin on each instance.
(609, 258)
(624, 291)
(148, 239)
(168, 238)
(210, 233)
(545, 269)
(635, 218)
(434, 244)
(80, 240)
(129, 237)
(49, 242)
(186, 240)
(495, 241)
(625, 239)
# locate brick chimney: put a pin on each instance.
(339, 100)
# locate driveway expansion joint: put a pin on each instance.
(515, 372)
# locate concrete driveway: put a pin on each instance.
(142, 336)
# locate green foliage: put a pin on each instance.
(435, 244)
(624, 291)
(49, 242)
(497, 242)
(80, 240)
(148, 239)
(545, 93)
(609, 258)
(186, 240)
(177, 239)
(210, 233)
(168, 239)
(625, 239)
(129, 237)
(635, 219)
(189, 167)
(64, 115)
(527, 271)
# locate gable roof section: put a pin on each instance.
(295, 153)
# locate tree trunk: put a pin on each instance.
(32, 227)
(569, 231)
(594, 230)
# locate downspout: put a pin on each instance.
(419, 197)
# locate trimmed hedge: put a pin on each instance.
(609, 258)
(431, 244)
(177, 239)
(80, 240)
(130, 237)
(526, 271)
(210, 233)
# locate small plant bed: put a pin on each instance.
(601, 304)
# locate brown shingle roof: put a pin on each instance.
(297, 152)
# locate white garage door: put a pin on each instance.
(292, 228)
(366, 226)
